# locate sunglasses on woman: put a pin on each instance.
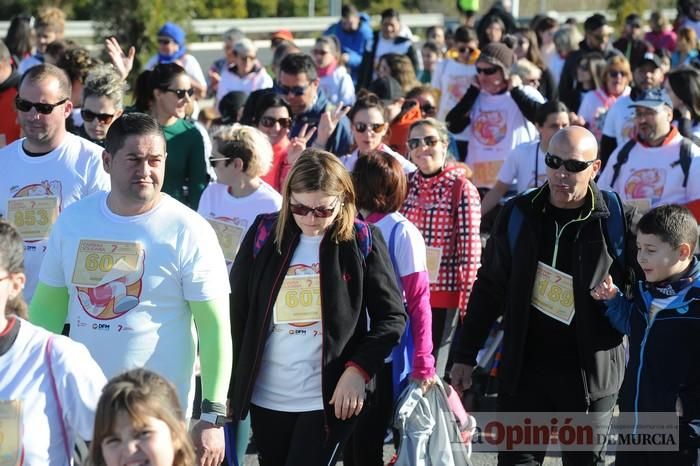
(488, 71)
(269, 122)
(375, 127)
(616, 73)
(45, 109)
(572, 166)
(104, 118)
(318, 212)
(415, 143)
(181, 93)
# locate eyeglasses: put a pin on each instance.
(318, 212)
(321, 53)
(104, 118)
(487, 71)
(573, 166)
(428, 109)
(164, 41)
(616, 73)
(376, 127)
(269, 122)
(465, 49)
(45, 109)
(181, 93)
(415, 143)
(214, 159)
(294, 90)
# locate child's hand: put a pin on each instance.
(605, 291)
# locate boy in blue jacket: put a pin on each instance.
(662, 321)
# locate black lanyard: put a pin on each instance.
(537, 165)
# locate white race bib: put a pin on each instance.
(229, 236)
(433, 259)
(299, 300)
(10, 432)
(553, 293)
(98, 262)
(33, 216)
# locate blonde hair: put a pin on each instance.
(140, 393)
(436, 125)
(51, 18)
(526, 70)
(318, 170)
(246, 143)
(617, 62)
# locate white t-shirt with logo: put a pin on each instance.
(452, 79)
(594, 108)
(409, 246)
(351, 159)
(232, 216)
(654, 174)
(619, 121)
(524, 167)
(290, 370)
(34, 190)
(24, 376)
(497, 126)
(130, 279)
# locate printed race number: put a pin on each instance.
(33, 216)
(299, 300)
(10, 432)
(98, 262)
(433, 258)
(229, 236)
(553, 293)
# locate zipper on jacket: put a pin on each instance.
(585, 390)
(265, 327)
(557, 236)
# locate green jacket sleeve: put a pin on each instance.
(215, 351)
(49, 307)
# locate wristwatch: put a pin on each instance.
(215, 419)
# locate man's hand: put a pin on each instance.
(122, 62)
(209, 443)
(461, 376)
(605, 291)
(349, 395)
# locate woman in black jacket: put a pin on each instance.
(315, 310)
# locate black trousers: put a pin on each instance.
(294, 439)
(555, 391)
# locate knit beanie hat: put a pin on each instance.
(499, 54)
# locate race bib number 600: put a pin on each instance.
(98, 262)
(299, 300)
(553, 293)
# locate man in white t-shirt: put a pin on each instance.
(131, 269)
(47, 170)
(619, 121)
(653, 171)
(524, 167)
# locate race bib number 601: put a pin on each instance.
(299, 300)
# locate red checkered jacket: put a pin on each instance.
(429, 206)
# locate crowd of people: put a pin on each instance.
(343, 224)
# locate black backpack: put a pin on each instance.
(684, 160)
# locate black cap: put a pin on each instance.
(634, 19)
(594, 22)
(650, 57)
(387, 89)
(230, 106)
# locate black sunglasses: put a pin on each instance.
(487, 71)
(45, 109)
(181, 93)
(376, 127)
(415, 143)
(164, 41)
(294, 90)
(104, 118)
(269, 122)
(318, 212)
(465, 49)
(573, 166)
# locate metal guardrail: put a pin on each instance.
(216, 27)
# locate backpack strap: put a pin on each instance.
(622, 158)
(264, 229)
(363, 236)
(685, 159)
(615, 227)
(515, 222)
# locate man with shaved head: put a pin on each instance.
(548, 248)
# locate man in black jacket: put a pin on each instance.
(596, 39)
(571, 360)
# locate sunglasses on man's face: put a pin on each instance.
(269, 122)
(318, 212)
(45, 109)
(88, 116)
(487, 71)
(181, 93)
(164, 41)
(375, 127)
(572, 166)
(297, 91)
